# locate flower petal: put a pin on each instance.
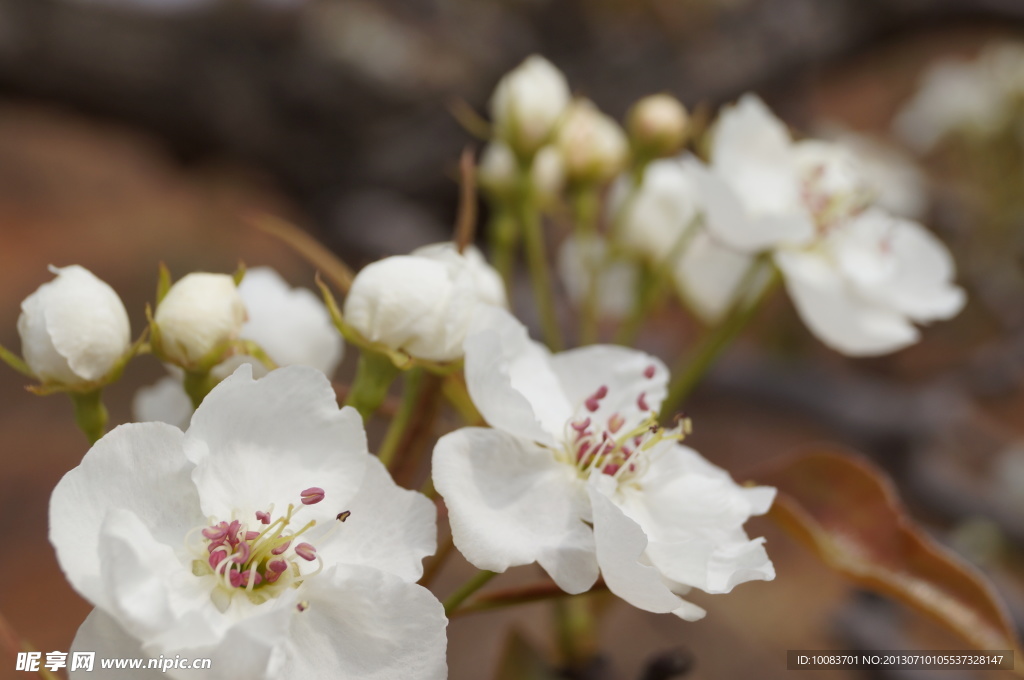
(261, 442)
(390, 528)
(622, 370)
(137, 467)
(580, 258)
(101, 634)
(511, 381)
(836, 314)
(367, 624)
(708, 276)
(620, 546)
(164, 401)
(510, 503)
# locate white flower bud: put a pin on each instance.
(593, 146)
(548, 174)
(199, 313)
(528, 103)
(657, 124)
(422, 303)
(73, 329)
(498, 171)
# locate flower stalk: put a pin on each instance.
(474, 584)
(413, 381)
(537, 263)
(374, 375)
(90, 413)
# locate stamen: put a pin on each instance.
(343, 515)
(312, 495)
(306, 551)
(641, 402)
(263, 517)
(593, 401)
(649, 371)
(615, 423)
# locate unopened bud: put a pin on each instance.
(657, 125)
(594, 147)
(528, 104)
(200, 313)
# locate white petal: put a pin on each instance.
(752, 151)
(291, 324)
(834, 312)
(510, 503)
(101, 634)
(713, 565)
(659, 213)
(511, 381)
(736, 225)
(137, 467)
(622, 370)
(390, 528)
(164, 401)
(262, 442)
(579, 259)
(620, 546)
(708, 276)
(365, 624)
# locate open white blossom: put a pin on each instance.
(423, 303)
(959, 95)
(580, 259)
(859, 277)
(290, 324)
(74, 329)
(201, 314)
(577, 476)
(265, 538)
(652, 220)
(528, 104)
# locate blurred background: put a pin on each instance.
(140, 131)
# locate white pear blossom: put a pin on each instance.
(960, 95)
(499, 172)
(859, 277)
(423, 303)
(580, 259)
(291, 325)
(200, 314)
(652, 219)
(593, 146)
(265, 538)
(577, 476)
(74, 329)
(528, 104)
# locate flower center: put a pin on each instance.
(608, 446)
(258, 559)
(829, 204)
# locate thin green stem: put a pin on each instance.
(503, 235)
(374, 375)
(585, 207)
(396, 430)
(523, 595)
(691, 368)
(576, 635)
(478, 581)
(197, 385)
(540, 278)
(90, 413)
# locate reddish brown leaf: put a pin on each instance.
(848, 511)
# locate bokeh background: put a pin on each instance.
(139, 131)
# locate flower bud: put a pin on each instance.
(593, 146)
(528, 104)
(423, 303)
(200, 313)
(547, 174)
(498, 171)
(657, 125)
(74, 329)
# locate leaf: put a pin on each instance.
(848, 511)
(521, 661)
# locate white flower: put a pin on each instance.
(528, 104)
(201, 314)
(290, 324)
(74, 329)
(960, 95)
(652, 221)
(225, 541)
(577, 477)
(859, 277)
(593, 146)
(423, 303)
(580, 259)
(499, 172)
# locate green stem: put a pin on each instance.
(690, 369)
(396, 430)
(503, 233)
(585, 205)
(540, 278)
(575, 625)
(90, 413)
(197, 385)
(374, 375)
(466, 589)
(523, 595)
